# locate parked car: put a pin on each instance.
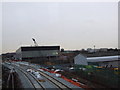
(40, 78)
(29, 70)
(36, 73)
(58, 70)
(58, 75)
(40, 70)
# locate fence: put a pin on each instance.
(104, 76)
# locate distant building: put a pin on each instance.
(37, 53)
(103, 49)
(80, 60)
(105, 61)
(90, 50)
(8, 56)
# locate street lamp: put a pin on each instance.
(94, 48)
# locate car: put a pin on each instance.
(32, 71)
(72, 68)
(52, 69)
(29, 70)
(58, 70)
(58, 75)
(74, 79)
(40, 70)
(40, 78)
(36, 73)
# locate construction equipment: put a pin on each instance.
(34, 42)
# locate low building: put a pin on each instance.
(80, 60)
(37, 53)
(105, 61)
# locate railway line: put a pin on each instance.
(10, 81)
(35, 85)
(58, 84)
(34, 82)
(50, 82)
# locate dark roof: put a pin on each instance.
(37, 48)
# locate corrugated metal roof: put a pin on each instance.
(102, 59)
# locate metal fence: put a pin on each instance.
(104, 76)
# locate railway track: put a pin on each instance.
(10, 81)
(59, 84)
(13, 83)
(54, 81)
(36, 84)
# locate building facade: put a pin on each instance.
(37, 53)
(80, 60)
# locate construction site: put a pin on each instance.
(80, 68)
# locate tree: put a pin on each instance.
(62, 50)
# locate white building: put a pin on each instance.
(80, 59)
(105, 61)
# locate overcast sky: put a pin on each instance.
(71, 25)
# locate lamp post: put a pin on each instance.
(94, 48)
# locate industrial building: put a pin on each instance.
(37, 54)
(105, 61)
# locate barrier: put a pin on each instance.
(69, 80)
(75, 83)
(48, 70)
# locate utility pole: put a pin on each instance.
(94, 48)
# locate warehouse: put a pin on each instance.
(105, 61)
(37, 54)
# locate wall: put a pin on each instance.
(80, 59)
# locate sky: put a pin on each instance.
(72, 25)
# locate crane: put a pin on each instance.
(34, 42)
